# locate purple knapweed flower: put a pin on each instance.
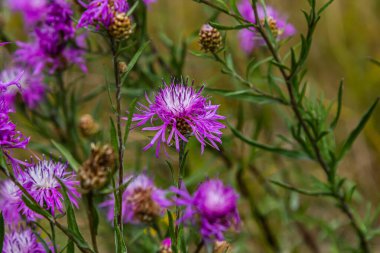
(251, 39)
(166, 245)
(31, 86)
(213, 206)
(142, 201)
(40, 180)
(101, 13)
(22, 241)
(32, 10)
(54, 46)
(180, 111)
(10, 138)
(10, 201)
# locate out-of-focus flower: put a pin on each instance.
(180, 111)
(40, 180)
(213, 206)
(100, 13)
(54, 45)
(142, 201)
(32, 10)
(31, 87)
(87, 125)
(210, 38)
(166, 246)
(148, 2)
(10, 201)
(249, 38)
(10, 138)
(22, 241)
(95, 171)
(222, 247)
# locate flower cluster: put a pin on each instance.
(180, 111)
(249, 37)
(213, 206)
(142, 201)
(54, 45)
(22, 241)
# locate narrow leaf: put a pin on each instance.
(129, 121)
(339, 108)
(133, 61)
(67, 155)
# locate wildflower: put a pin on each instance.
(22, 241)
(209, 38)
(32, 10)
(222, 247)
(148, 2)
(180, 111)
(142, 201)
(31, 87)
(87, 125)
(213, 206)
(95, 171)
(101, 13)
(249, 38)
(10, 198)
(166, 246)
(10, 138)
(54, 45)
(40, 180)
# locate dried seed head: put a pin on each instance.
(122, 66)
(210, 38)
(145, 209)
(87, 125)
(222, 247)
(121, 27)
(95, 170)
(272, 23)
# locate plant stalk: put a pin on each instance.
(90, 215)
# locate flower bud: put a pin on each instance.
(210, 38)
(222, 247)
(87, 125)
(122, 66)
(121, 26)
(166, 246)
(95, 170)
(272, 24)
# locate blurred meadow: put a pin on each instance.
(346, 41)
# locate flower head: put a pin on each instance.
(31, 10)
(10, 200)
(142, 201)
(180, 111)
(250, 38)
(166, 246)
(22, 241)
(31, 87)
(213, 206)
(40, 180)
(102, 12)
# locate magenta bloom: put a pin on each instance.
(147, 2)
(10, 138)
(142, 201)
(101, 13)
(54, 46)
(180, 111)
(166, 245)
(22, 241)
(213, 206)
(32, 10)
(10, 201)
(41, 182)
(31, 87)
(249, 38)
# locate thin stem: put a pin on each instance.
(118, 126)
(53, 236)
(199, 246)
(91, 216)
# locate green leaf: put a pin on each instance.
(129, 121)
(2, 232)
(355, 133)
(113, 135)
(133, 8)
(222, 4)
(172, 231)
(246, 95)
(236, 27)
(300, 191)
(36, 208)
(340, 98)
(133, 61)
(121, 246)
(67, 155)
(277, 150)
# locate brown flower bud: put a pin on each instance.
(272, 24)
(145, 209)
(210, 38)
(121, 27)
(166, 246)
(222, 247)
(95, 170)
(122, 66)
(87, 125)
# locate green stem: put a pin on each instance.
(91, 216)
(53, 236)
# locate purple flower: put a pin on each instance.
(213, 206)
(180, 111)
(10, 200)
(251, 39)
(148, 2)
(22, 241)
(40, 180)
(166, 245)
(54, 45)
(31, 87)
(32, 10)
(101, 13)
(10, 138)
(142, 201)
